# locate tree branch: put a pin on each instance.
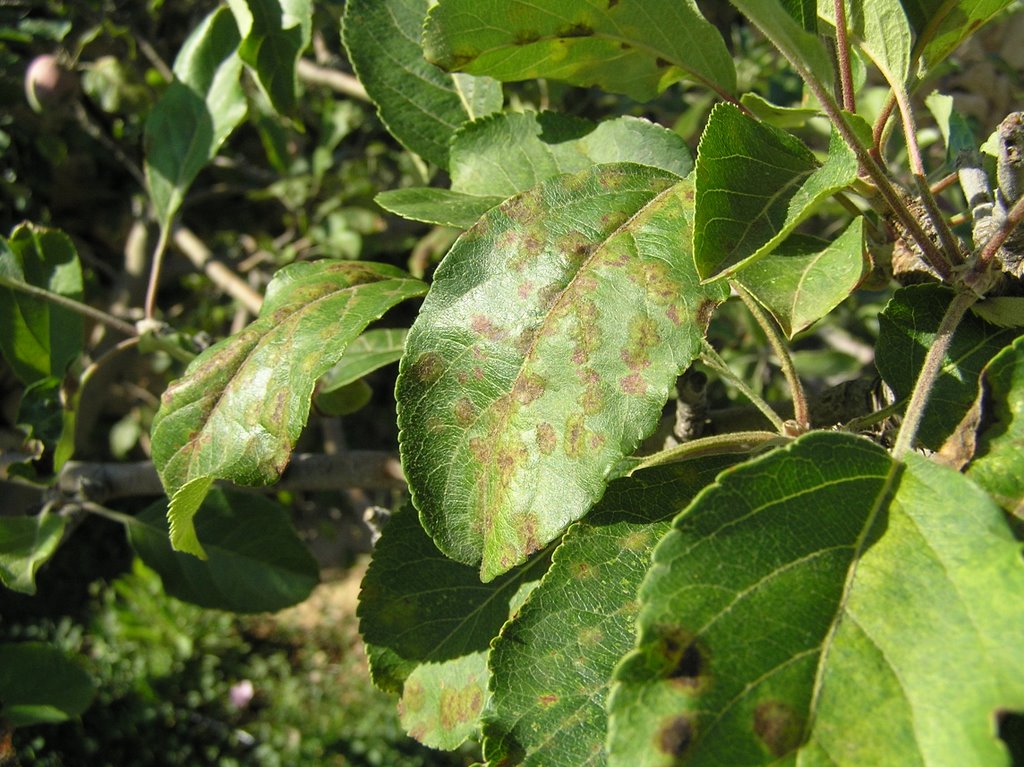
(369, 469)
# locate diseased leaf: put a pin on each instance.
(1000, 454)
(806, 609)
(941, 25)
(371, 351)
(421, 105)
(38, 338)
(428, 619)
(25, 544)
(552, 664)
(274, 34)
(197, 112)
(635, 47)
(805, 278)
(39, 684)
(755, 183)
(242, 403)
(543, 354)
(498, 156)
(255, 563)
(907, 329)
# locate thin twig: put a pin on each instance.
(103, 482)
(930, 372)
(940, 186)
(331, 78)
(800, 412)
(714, 360)
(1012, 220)
(155, 267)
(843, 58)
(70, 304)
(201, 257)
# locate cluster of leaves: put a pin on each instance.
(805, 589)
(165, 671)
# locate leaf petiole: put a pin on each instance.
(70, 304)
(714, 360)
(718, 444)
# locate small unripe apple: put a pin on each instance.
(48, 84)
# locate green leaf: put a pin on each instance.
(1000, 453)
(371, 351)
(38, 338)
(907, 329)
(805, 278)
(25, 544)
(197, 112)
(242, 403)
(274, 34)
(826, 605)
(755, 184)
(780, 117)
(956, 131)
(789, 36)
(498, 156)
(39, 684)
(543, 355)
(552, 664)
(941, 25)
(804, 12)
(438, 206)
(47, 412)
(635, 47)
(344, 400)
(255, 561)
(420, 105)
(428, 619)
(1004, 311)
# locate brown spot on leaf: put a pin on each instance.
(643, 336)
(460, 705)
(427, 368)
(547, 699)
(683, 658)
(575, 436)
(778, 727)
(661, 63)
(585, 333)
(546, 438)
(633, 384)
(531, 538)
(595, 441)
(673, 314)
(590, 637)
(525, 341)
(612, 4)
(675, 736)
(704, 312)
(528, 388)
(483, 326)
(465, 412)
(579, 29)
(413, 697)
(593, 397)
(525, 289)
(582, 570)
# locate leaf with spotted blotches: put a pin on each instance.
(543, 354)
(498, 156)
(755, 184)
(826, 605)
(552, 664)
(428, 623)
(242, 403)
(635, 47)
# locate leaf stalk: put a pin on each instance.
(70, 304)
(930, 372)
